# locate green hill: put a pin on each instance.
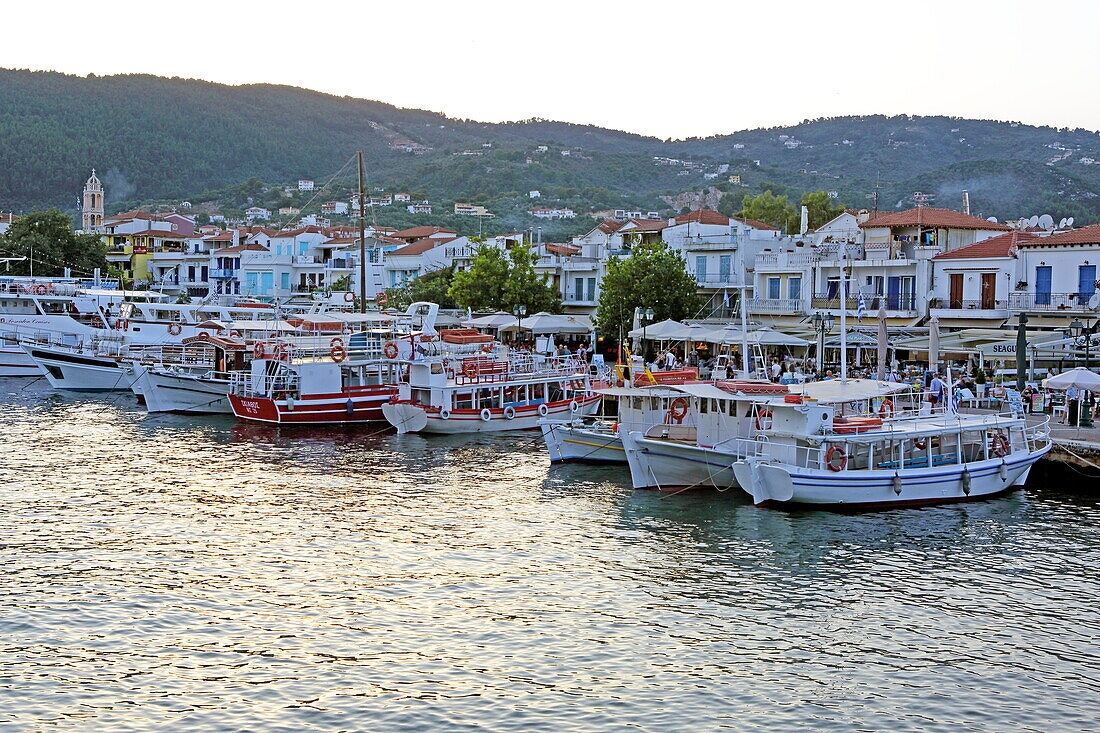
(153, 138)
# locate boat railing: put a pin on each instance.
(247, 384)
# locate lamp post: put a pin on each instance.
(519, 312)
(1084, 333)
(823, 324)
(646, 318)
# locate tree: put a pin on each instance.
(48, 238)
(822, 209)
(728, 205)
(653, 276)
(768, 208)
(500, 281)
(431, 287)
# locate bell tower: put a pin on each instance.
(92, 208)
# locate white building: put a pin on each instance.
(421, 208)
(304, 184)
(550, 213)
(334, 208)
(257, 212)
(533, 194)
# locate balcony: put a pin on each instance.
(906, 303)
(788, 260)
(777, 306)
(222, 273)
(718, 280)
(717, 242)
(580, 264)
(575, 297)
(304, 260)
(341, 263)
(1051, 302)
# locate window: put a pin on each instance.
(1086, 282)
(794, 288)
(725, 263)
(773, 288)
(284, 281)
(578, 288)
(701, 268)
(591, 289)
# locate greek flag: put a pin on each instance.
(726, 297)
(861, 308)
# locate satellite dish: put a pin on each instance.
(1069, 222)
(1046, 221)
(992, 219)
(1022, 223)
(1094, 301)
(1033, 221)
(1062, 223)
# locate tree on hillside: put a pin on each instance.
(653, 276)
(822, 209)
(501, 281)
(768, 208)
(48, 238)
(432, 287)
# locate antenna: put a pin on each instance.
(1046, 221)
(921, 199)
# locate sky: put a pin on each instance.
(664, 69)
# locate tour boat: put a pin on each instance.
(462, 382)
(197, 383)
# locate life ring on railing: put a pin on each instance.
(41, 289)
(469, 369)
(175, 329)
(761, 417)
(487, 348)
(920, 443)
(574, 406)
(381, 299)
(338, 353)
(544, 410)
(235, 334)
(836, 458)
(349, 297)
(122, 324)
(886, 409)
(509, 413)
(678, 410)
(444, 414)
(336, 341)
(486, 415)
(259, 349)
(97, 322)
(999, 446)
(615, 428)
(390, 350)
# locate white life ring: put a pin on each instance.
(444, 414)
(544, 410)
(390, 350)
(509, 412)
(574, 406)
(175, 329)
(349, 297)
(486, 416)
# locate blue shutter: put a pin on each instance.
(1086, 282)
(1042, 285)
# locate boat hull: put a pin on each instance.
(776, 485)
(568, 442)
(15, 362)
(168, 391)
(79, 372)
(666, 465)
(358, 405)
(410, 417)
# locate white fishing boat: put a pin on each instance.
(461, 381)
(596, 439)
(195, 382)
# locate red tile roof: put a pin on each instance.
(703, 216)
(1002, 245)
(163, 234)
(647, 225)
(135, 214)
(562, 249)
(421, 246)
(756, 224)
(931, 216)
(609, 227)
(300, 230)
(1084, 235)
(420, 232)
(243, 248)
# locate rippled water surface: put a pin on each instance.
(192, 573)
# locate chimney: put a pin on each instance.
(966, 202)
(804, 224)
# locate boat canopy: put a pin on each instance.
(654, 391)
(835, 391)
(705, 391)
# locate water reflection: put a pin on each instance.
(165, 571)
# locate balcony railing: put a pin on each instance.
(891, 302)
(1050, 301)
(721, 241)
(986, 304)
(786, 259)
(578, 297)
(776, 305)
(573, 264)
(718, 279)
(304, 260)
(222, 273)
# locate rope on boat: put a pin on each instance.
(1064, 447)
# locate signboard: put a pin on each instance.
(999, 350)
(140, 249)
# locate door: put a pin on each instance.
(773, 288)
(956, 281)
(1086, 283)
(725, 263)
(1042, 285)
(893, 293)
(989, 290)
(794, 288)
(701, 269)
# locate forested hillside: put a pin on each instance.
(166, 139)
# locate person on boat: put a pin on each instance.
(776, 370)
(937, 390)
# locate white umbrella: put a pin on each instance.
(493, 320)
(661, 331)
(883, 341)
(547, 323)
(1080, 378)
(934, 344)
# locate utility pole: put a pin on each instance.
(362, 237)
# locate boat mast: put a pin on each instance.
(362, 238)
(843, 317)
(744, 333)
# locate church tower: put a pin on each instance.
(92, 209)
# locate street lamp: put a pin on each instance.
(823, 324)
(519, 312)
(1083, 332)
(646, 316)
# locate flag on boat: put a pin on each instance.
(726, 297)
(861, 308)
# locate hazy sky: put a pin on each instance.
(668, 69)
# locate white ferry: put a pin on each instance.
(461, 381)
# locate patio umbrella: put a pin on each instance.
(493, 320)
(883, 341)
(934, 344)
(661, 331)
(1081, 378)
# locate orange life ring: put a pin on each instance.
(487, 348)
(175, 329)
(97, 322)
(1000, 445)
(235, 334)
(41, 289)
(761, 416)
(259, 349)
(920, 443)
(678, 410)
(886, 409)
(338, 353)
(336, 341)
(836, 458)
(349, 297)
(122, 324)
(390, 350)
(381, 299)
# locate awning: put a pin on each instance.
(835, 391)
